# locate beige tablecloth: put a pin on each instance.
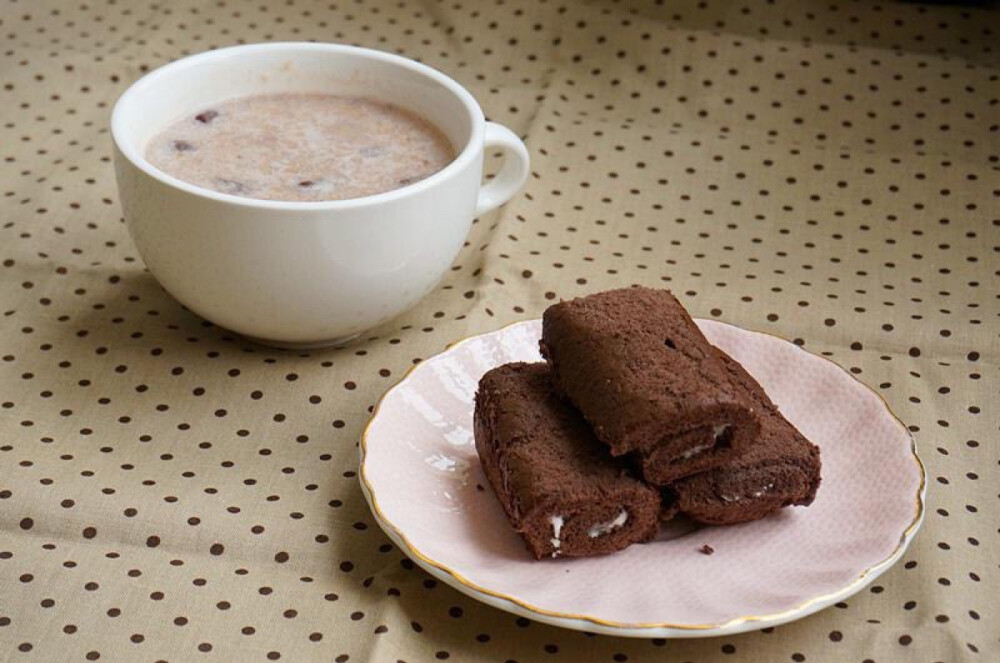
(824, 171)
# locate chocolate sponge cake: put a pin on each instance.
(641, 372)
(561, 489)
(781, 469)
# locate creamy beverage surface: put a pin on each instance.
(301, 147)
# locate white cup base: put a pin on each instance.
(308, 345)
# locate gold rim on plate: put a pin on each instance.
(412, 551)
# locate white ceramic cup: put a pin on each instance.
(305, 274)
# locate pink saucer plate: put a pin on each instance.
(422, 478)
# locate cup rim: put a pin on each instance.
(129, 150)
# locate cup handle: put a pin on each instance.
(513, 172)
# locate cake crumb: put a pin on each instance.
(706, 549)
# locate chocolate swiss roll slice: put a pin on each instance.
(781, 469)
(648, 381)
(561, 490)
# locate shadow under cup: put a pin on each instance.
(297, 274)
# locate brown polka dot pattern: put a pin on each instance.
(825, 171)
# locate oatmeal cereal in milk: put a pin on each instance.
(301, 147)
